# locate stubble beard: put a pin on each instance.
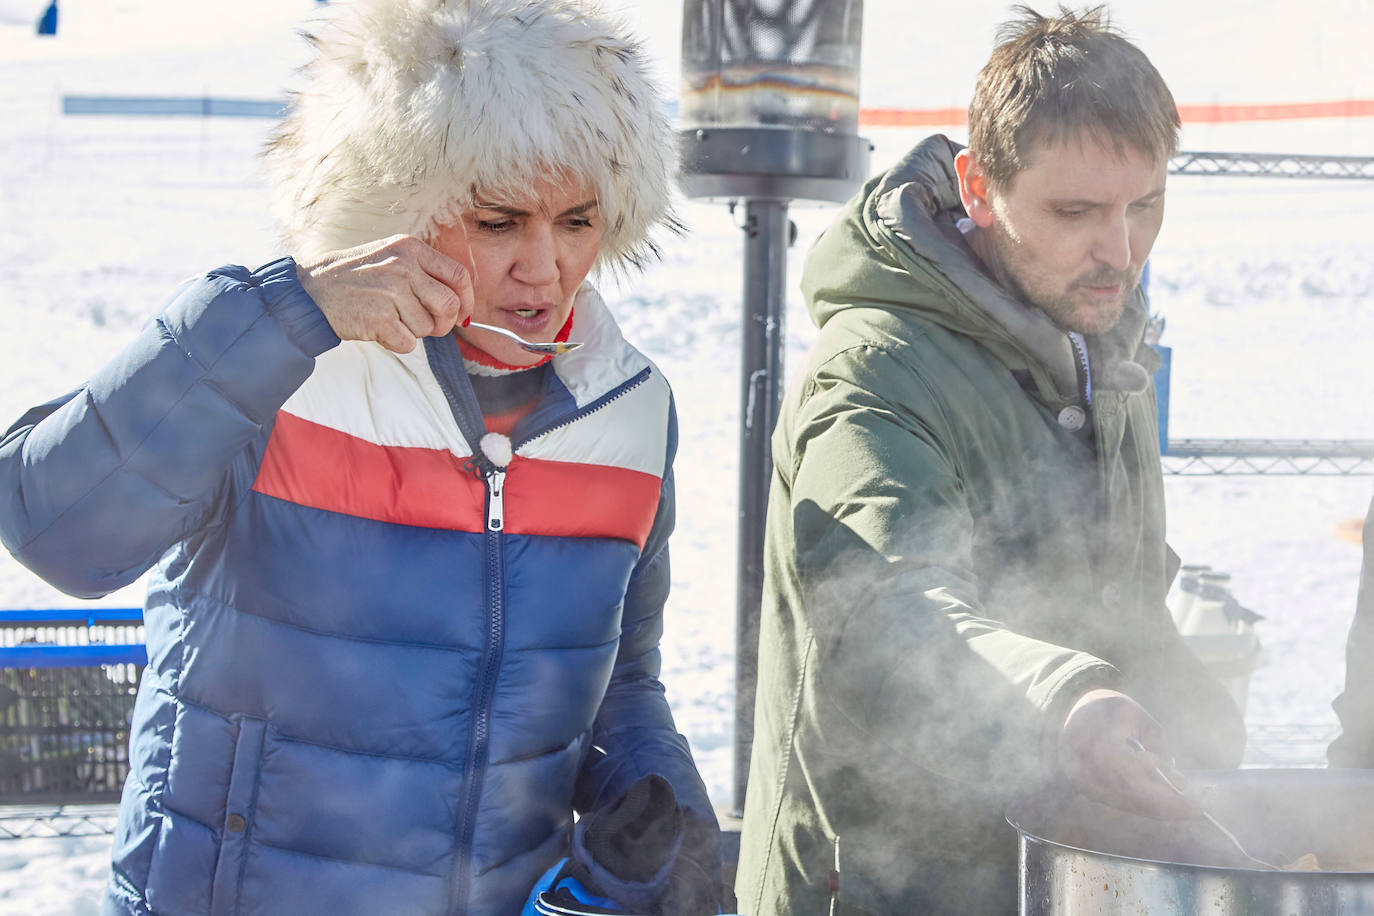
(1087, 317)
(1069, 308)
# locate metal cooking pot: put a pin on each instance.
(1078, 857)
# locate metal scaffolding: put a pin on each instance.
(1272, 165)
(1271, 457)
(22, 822)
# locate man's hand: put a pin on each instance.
(1099, 761)
(394, 291)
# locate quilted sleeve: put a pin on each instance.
(97, 485)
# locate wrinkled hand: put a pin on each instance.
(394, 291)
(1098, 760)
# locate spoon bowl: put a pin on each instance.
(552, 348)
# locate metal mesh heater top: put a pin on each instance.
(788, 63)
(770, 99)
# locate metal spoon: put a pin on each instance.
(554, 347)
(1140, 748)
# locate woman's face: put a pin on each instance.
(527, 258)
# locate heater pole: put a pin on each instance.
(768, 114)
(767, 234)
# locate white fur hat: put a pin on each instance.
(412, 106)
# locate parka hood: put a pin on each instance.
(896, 246)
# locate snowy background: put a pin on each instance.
(1267, 285)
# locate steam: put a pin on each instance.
(946, 652)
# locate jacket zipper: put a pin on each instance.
(492, 652)
(1086, 392)
(480, 734)
(1085, 384)
(496, 499)
(614, 394)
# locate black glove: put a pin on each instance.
(694, 887)
(651, 854)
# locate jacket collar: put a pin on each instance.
(915, 206)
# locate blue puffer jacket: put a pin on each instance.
(382, 671)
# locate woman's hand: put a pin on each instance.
(394, 291)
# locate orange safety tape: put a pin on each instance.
(1189, 114)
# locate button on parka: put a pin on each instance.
(938, 551)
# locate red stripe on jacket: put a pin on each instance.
(320, 467)
(580, 500)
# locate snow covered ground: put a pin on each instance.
(1267, 285)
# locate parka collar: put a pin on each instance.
(911, 211)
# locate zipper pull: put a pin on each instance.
(496, 504)
(498, 452)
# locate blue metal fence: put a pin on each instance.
(195, 106)
(172, 106)
(68, 678)
(71, 637)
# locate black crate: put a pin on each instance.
(64, 732)
(66, 697)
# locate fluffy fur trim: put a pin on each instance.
(410, 107)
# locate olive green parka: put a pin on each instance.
(1355, 706)
(958, 547)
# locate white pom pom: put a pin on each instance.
(497, 449)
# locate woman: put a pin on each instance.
(407, 578)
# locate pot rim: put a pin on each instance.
(1017, 811)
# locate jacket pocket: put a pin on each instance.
(237, 827)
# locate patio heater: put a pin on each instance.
(769, 114)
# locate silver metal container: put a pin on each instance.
(1079, 858)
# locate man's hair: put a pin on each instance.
(1049, 79)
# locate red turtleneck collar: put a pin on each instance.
(486, 364)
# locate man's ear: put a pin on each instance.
(973, 188)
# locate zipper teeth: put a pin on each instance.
(591, 408)
(495, 627)
(481, 729)
(1081, 353)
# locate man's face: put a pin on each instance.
(1070, 233)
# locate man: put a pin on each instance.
(1355, 706)
(965, 561)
